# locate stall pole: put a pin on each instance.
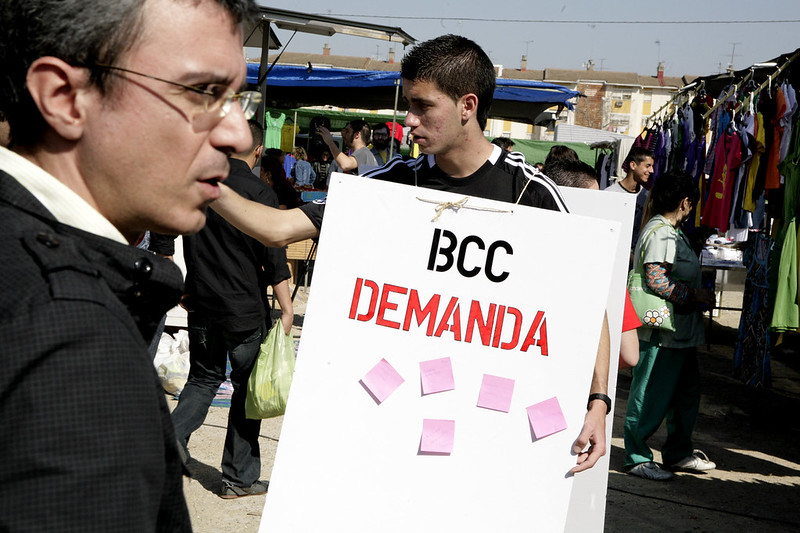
(294, 130)
(394, 116)
(262, 69)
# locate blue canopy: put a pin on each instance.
(290, 86)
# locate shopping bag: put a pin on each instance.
(271, 377)
(172, 361)
(653, 310)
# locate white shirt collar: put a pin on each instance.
(495, 155)
(64, 203)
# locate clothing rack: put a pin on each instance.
(679, 94)
(768, 81)
(603, 146)
(724, 98)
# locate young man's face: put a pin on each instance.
(434, 118)
(642, 171)
(347, 136)
(151, 155)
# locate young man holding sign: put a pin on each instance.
(448, 83)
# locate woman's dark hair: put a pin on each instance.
(668, 191)
(280, 184)
(557, 153)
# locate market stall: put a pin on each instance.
(736, 134)
(292, 86)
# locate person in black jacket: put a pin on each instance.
(226, 286)
(103, 146)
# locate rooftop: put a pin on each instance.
(550, 75)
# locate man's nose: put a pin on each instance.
(232, 134)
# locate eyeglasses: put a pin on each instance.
(220, 97)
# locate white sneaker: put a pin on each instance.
(697, 462)
(650, 470)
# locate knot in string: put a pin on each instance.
(455, 206)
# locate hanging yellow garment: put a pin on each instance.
(749, 203)
(288, 132)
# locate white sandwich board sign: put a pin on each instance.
(444, 365)
(588, 499)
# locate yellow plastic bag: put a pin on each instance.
(271, 377)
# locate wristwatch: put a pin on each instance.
(599, 396)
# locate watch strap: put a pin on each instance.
(599, 396)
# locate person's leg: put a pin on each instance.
(153, 348)
(636, 448)
(682, 415)
(207, 357)
(652, 388)
(241, 458)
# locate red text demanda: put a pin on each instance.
(400, 308)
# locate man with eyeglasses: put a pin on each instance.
(122, 115)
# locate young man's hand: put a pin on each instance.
(593, 434)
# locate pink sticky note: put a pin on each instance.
(546, 418)
(437, 436)
(436, 375)
(382, 380)
(496, 393)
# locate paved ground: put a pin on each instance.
(752, 435)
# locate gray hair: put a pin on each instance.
(79, 32)
(568, 173)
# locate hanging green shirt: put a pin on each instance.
(272, 130)
(785, 314)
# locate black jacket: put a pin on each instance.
(227, 272)
(87, 442)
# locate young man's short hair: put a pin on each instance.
(638, 154)
(257, 132)
(457, 66)
(362, 127)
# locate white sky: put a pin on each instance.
(685, 48)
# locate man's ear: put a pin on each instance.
(259, 151)
(469, 106)
(61, 92)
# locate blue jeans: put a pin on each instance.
(210, 346)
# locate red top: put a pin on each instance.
(630, 320)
